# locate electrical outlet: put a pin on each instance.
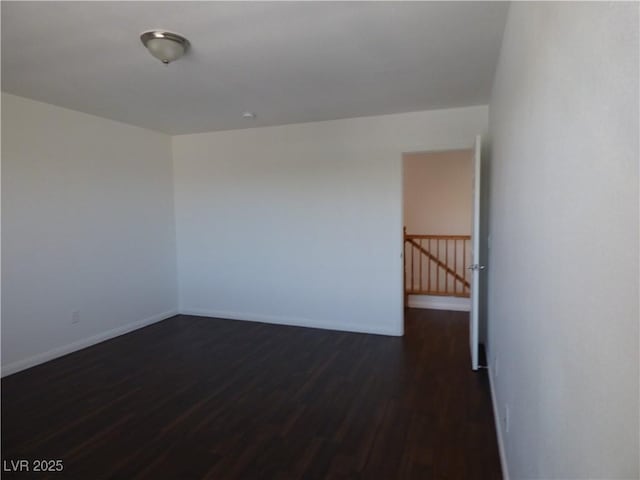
(75, 317)
(506, 418)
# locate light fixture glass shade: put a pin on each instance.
(165, 50)
(165, 46)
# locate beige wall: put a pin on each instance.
(437, 192)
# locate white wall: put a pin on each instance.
(302, 224)
(564, 190)
(87, 225)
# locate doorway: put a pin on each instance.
(437, 218)
(441, 196)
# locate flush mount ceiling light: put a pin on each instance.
(165, 46)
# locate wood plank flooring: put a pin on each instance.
(202, 398)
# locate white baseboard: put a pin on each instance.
(80, 344)
(294, 322)
(435, 302)
(496, 416)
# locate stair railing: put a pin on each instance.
(436, 265)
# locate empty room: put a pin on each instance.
(320, 240)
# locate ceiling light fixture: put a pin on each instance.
(249, 115)
(165, 46)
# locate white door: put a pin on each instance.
(475, 266)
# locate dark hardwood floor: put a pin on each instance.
(191, 398)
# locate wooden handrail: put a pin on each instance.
(437, 237)
(411, 240)
(449, 261)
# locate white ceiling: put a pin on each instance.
(287, 62)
